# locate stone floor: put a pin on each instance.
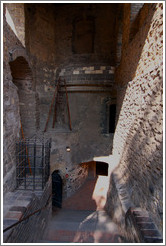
(82, 218)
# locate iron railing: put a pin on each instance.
(28, 216)
(33, 163)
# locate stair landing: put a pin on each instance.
(82, 219)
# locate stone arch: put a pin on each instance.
(21, 73)
(16, 52)
(23, 79)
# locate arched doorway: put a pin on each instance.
(22, 78)
(56, 189)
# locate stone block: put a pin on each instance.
(16, 215)
(99, 71)
(18, 208)
(76, 72)
(87, 72)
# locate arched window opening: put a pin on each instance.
(21, 73)
(22, 78)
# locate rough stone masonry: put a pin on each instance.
(109, 54)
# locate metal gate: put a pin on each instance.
(33, 163)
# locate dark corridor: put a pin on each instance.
(56, 189)
(101, 168)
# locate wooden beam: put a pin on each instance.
(68, 105)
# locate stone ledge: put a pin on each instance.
(123, 194)
(138, 223)
(20, 204)
(144, 226)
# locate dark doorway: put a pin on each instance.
(101, 168)
(112, 117)
(56, 189)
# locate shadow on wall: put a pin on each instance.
(131, 57)
(22, 78)
(141, 163)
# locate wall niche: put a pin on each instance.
(83, 36)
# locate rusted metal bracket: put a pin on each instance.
(53, 99)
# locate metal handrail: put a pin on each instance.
(27, 217)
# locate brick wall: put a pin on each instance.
(16, 12)
(73, 178)
(89, 136)
(18, 205)
(40, 42)
(46, 57)
(135, 8)
(138, 138)
(104, 50)
(11, 117)
(135, 223)
(52, 50)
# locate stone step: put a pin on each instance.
(77, 226)
(64, 236)
(71, 215)
(46, 241)
(81, 221)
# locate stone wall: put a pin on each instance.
(138, 138)
(40, 32)
(16, 12)
(135, 223)
(73, 177)
(50, 53)
(101, 37)
(20, 204)
(87, 139)
(57, 50)
(54, 47)
(11, 116)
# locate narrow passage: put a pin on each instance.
(82, 218)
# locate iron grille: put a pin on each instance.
(33, 163)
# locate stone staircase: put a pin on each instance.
(82, 220)
(81, 227)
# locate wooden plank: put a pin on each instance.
(53, 99)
